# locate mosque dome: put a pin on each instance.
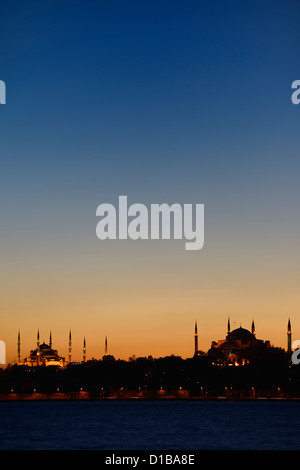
(241, 334)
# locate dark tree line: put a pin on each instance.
(203, 375)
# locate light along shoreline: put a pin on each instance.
(86, 396)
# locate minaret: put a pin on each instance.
(50, 340)
(253, 328)
(70, 347)
(196, 338)
(105, 345)
(19, 347)
(228, 337)
(38, 347)
(84, 350)
(289, 337)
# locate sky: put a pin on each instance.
(186, 102)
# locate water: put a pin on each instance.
(149, 425)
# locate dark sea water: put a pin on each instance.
(150, 425)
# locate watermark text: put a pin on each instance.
(161, 221)
(2, 92)
(296, 94)
(296, 353)
(2, 352)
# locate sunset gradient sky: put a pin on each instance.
(186, 102)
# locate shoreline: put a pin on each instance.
(38, 397)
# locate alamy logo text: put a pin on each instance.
(160, 221)
(2, 352)
(2, 92)
(296, 94)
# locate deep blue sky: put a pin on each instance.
(182, 101)
(131, 95)
(148, 87)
